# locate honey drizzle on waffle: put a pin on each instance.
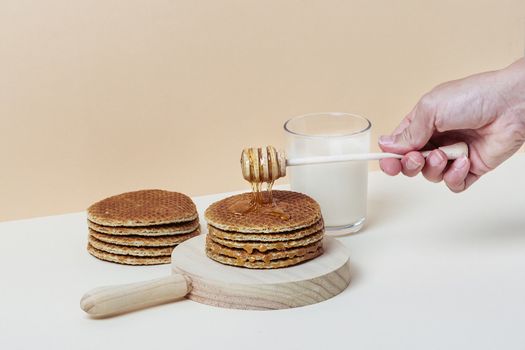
(261, 166)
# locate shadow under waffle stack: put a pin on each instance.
(263, 240)
(141, 227)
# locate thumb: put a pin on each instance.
(411, 135)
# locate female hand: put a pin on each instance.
(487, 111)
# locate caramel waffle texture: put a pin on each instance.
(259, 238)
(266, 237)
(180, 228)
(242, 255)
(128, 259)
(129, 250)
(143, 208)
(274, 264)
(251, 246)
(141, 241)
(303, 210)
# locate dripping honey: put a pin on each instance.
(261, 201)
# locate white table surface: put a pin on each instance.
(431, 270)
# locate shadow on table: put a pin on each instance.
(489, 231)
(384, 208)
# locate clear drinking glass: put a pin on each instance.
(339, 188)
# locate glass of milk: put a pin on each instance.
(339, 188)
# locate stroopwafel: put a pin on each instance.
(303, 211)
(279, 233)
(141, 227)
(141, 241)
(128, 259)
(143, 208)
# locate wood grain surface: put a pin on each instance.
(240, 288)
(208, 282)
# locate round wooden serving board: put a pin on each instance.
(240, 288)
(199, 278)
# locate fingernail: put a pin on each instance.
(412, 164)
(435, 159)
(386, 140)
(461, 162)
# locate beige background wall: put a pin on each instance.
(101, 97)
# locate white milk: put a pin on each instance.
(340, 188)
(341, 203)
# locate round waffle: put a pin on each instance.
(251, 246)
(128, 259)
(143, 208)
(266, 237)
(261, 264)
(241, 254)
(180, 228)
(141, 241)
(125, 250)
(303, 211)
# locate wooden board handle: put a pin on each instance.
(113, 300)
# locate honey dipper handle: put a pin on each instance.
(113, 300)
(452, 152)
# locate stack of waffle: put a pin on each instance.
(259, 239)
(141, 227)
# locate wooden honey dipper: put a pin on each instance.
(267, 164)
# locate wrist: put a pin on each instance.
(512, 93)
